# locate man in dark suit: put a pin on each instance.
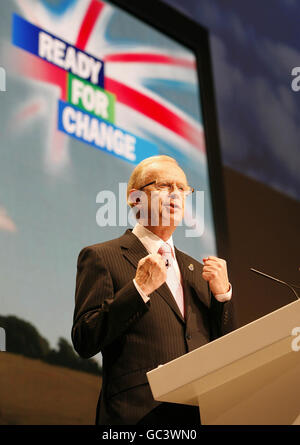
(142, 302)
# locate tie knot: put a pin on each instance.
(166, 250)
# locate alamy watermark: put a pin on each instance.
(2, 79)
(2, 340)
(295, 84)
(296, 341)
(176, 208)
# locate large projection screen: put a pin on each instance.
(90, 91)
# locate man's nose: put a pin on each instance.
(174, 186)
(175, 192)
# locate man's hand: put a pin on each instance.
(215, 272)
(151, 273)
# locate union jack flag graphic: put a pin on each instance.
(153, 83)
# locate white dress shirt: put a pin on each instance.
(152, 244)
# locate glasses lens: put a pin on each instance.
(167, 186)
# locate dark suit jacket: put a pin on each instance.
(134, 337)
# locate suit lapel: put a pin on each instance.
(133, 250)
(192, 278)
(166, 294)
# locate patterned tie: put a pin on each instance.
(172, 281)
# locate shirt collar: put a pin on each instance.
(151, 241)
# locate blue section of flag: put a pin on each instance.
(59, 7)
(81, 125)
(25, 35)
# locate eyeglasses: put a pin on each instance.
(165, 186)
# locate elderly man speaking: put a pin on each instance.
(142, 302)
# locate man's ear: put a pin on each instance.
(134, 197)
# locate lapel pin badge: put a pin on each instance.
(191, 267)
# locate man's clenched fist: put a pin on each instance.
(215, 272)
(151, 273)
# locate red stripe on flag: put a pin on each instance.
(149, 58)
(88, 23)
(156, 111)
(39, 69)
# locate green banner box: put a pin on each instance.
(91, 98)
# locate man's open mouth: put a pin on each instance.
(173, 205)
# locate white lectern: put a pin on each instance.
(249, 376)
